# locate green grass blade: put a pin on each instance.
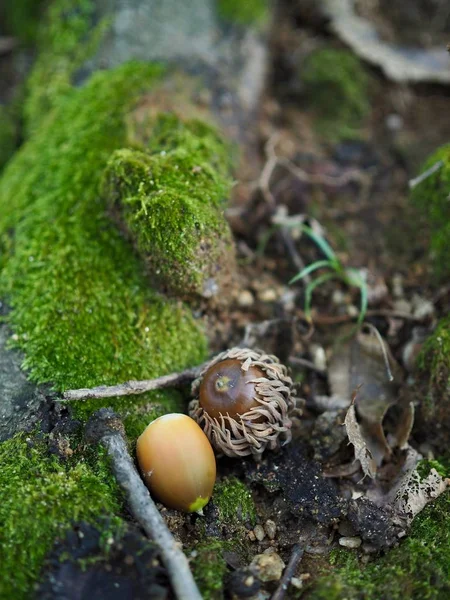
(310, 268)
(321, 242)
(312, 286)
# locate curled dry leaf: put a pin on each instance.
(355, 436)
(362, 364)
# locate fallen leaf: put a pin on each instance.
(362, 452)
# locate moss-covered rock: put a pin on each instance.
(171, 199)
(250, 12)
(39, 499)
(337, 91)
(82, 309)
(431, 196)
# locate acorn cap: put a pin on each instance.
(243, 400)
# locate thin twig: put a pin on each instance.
(340, 319)
(289, 572)
(106, 428)
(302, 362)
(415, 182)
(134, 387)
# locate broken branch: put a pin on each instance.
(133, 387)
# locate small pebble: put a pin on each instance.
(319, 357)
(338, 297)
(297, 583)
(350, 542)
(251, 536)
(245, 298)
(259, 532)
(422, 307)
(268, 567)
(394, 122)
(268, 295)
(352, 310)
(402, 305)
(271, 529)
(397, 286)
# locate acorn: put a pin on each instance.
(177, 462)
(243, 402)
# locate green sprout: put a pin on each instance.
(349, 276)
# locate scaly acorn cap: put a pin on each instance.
(243, 399)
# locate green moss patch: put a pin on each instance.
(21, 18)
(82, 310)
(337, 89)
(434, 365)
(234, 502)
(250, 12)
(65, 39)
(39, 498)
(418, 569)
(171, 198)
(209, 568)
(431, 196)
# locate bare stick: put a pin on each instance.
(303, 362)
(414, 182)
(131, 388)
(106, 428)
(296, 556)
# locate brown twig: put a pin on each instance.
(340, 319)
(134, 387)
(289, 572)
(106, 428)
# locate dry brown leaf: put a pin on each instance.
(362, 363)
(362, 452)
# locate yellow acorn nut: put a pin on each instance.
(177, 462)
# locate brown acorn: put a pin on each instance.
(177, 462)
(243, 402)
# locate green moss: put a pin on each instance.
(434, 366)
(8, 136)
(431, 196)
(170, 198)
(21, 18)
(337, 88)
(82, 310)
(419, 568)
(234, 502)
(65, 40)
(250, 12)
(39, 498)
(209, 568)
